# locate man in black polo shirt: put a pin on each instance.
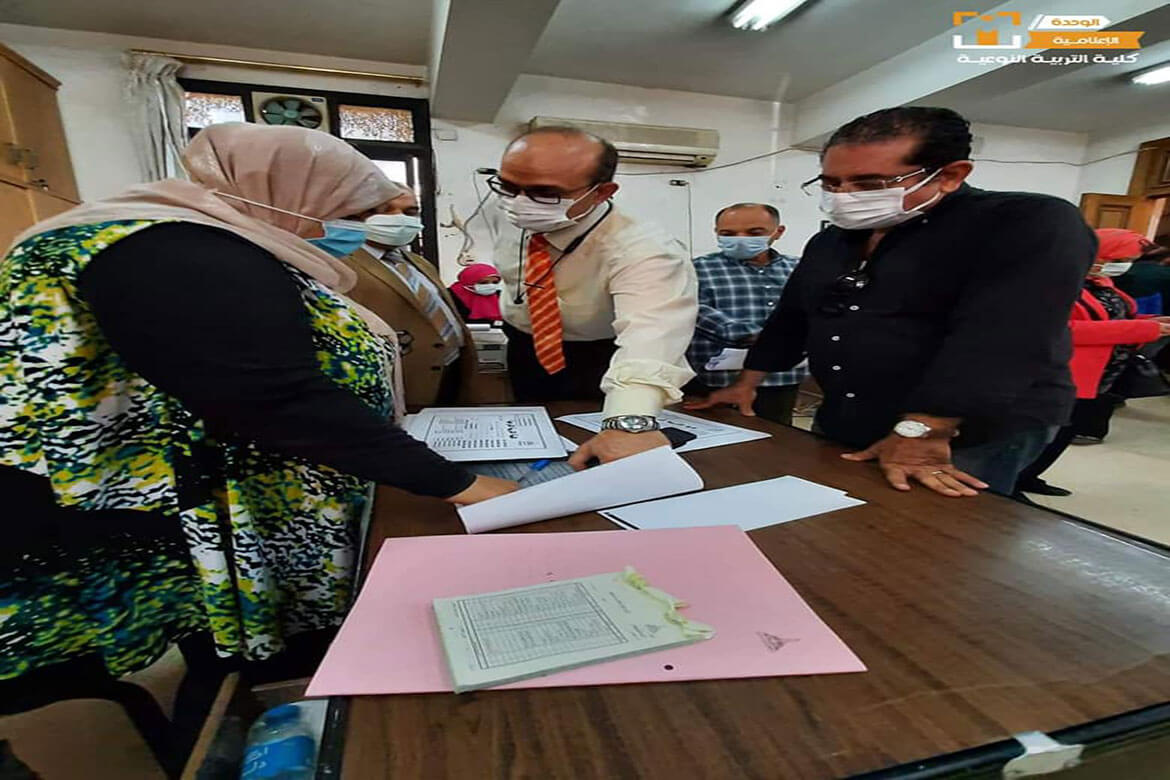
(934, 315)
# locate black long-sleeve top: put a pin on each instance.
(965, 315)
(217, 322)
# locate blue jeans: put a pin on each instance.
(1000, 461)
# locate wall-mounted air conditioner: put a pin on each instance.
(280, 108)
(687, 147)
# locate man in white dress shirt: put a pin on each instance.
(595, 305)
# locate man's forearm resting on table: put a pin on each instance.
(940, 427)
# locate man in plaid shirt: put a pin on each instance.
(739, 286)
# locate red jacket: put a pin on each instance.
(1094, 336)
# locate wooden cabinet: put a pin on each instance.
(1103, 210)
(36, 173)
(16, 212)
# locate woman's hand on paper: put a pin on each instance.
(609, 446)
(482, 489)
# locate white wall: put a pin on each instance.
(1112, 175)
(1057, 156)
(89, 67)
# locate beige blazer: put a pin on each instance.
(381, 291)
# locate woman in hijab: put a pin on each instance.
(477, 293)
(192, 413)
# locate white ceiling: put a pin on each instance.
(1077, 99)
(385, 30)
(690, 45)
(669, 44)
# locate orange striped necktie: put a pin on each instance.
(543, 309)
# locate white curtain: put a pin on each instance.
(156, 115)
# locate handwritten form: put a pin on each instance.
(390, 641)
(708, 433)
(495, 638)
(487, 433)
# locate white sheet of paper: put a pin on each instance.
(750, 506)
(642, 477)
(730, 359)
(487, 433)
(708, 433)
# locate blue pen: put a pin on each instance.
(533, 470)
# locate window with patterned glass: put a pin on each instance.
(201, 109)
(366, 123)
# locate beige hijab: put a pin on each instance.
(292, 168)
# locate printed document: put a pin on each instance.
(496, 638)
(487, 433)
(708, 433)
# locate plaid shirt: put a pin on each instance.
(735, 299)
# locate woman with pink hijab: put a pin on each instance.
(477, 293)
(192, 412)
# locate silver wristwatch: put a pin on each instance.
(631, 423)
(913, 429)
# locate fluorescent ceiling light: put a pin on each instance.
(1156, 76)
(758, 14)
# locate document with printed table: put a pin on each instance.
(466, 434)
(509, 635)
(708, 433)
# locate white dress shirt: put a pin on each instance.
(622, 282)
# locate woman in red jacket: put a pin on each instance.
(1105, 332)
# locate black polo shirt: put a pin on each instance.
(965, 315)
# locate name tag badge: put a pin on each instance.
(727, 360)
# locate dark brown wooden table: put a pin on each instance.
(978, 619)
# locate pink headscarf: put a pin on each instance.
(292, 168)
(481, 307)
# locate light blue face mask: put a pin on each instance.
(341, 239)
(743, 247)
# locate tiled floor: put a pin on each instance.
(1124, 483)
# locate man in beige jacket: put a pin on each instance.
(405, 291)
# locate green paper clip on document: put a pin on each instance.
(496, 638)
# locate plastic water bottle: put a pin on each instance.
(280, 747)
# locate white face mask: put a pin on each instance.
(1115, 269)
(873, 209)
(486, 288)
(526, 214)
(393, 229)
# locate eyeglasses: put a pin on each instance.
(547, 195)
(844, 286)
(818, 183)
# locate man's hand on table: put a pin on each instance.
(743, 397)
(926, 460)
(609, 446)
(482, 489)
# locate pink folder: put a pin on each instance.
(390, 644)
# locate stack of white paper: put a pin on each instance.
(708, 433)
(750, 506)
(642, 477)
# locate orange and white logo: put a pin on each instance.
(1047, 31)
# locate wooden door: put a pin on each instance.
(1151, 171)
(32, 105)
(1103, 210)
(16, 213)
(45, 205)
